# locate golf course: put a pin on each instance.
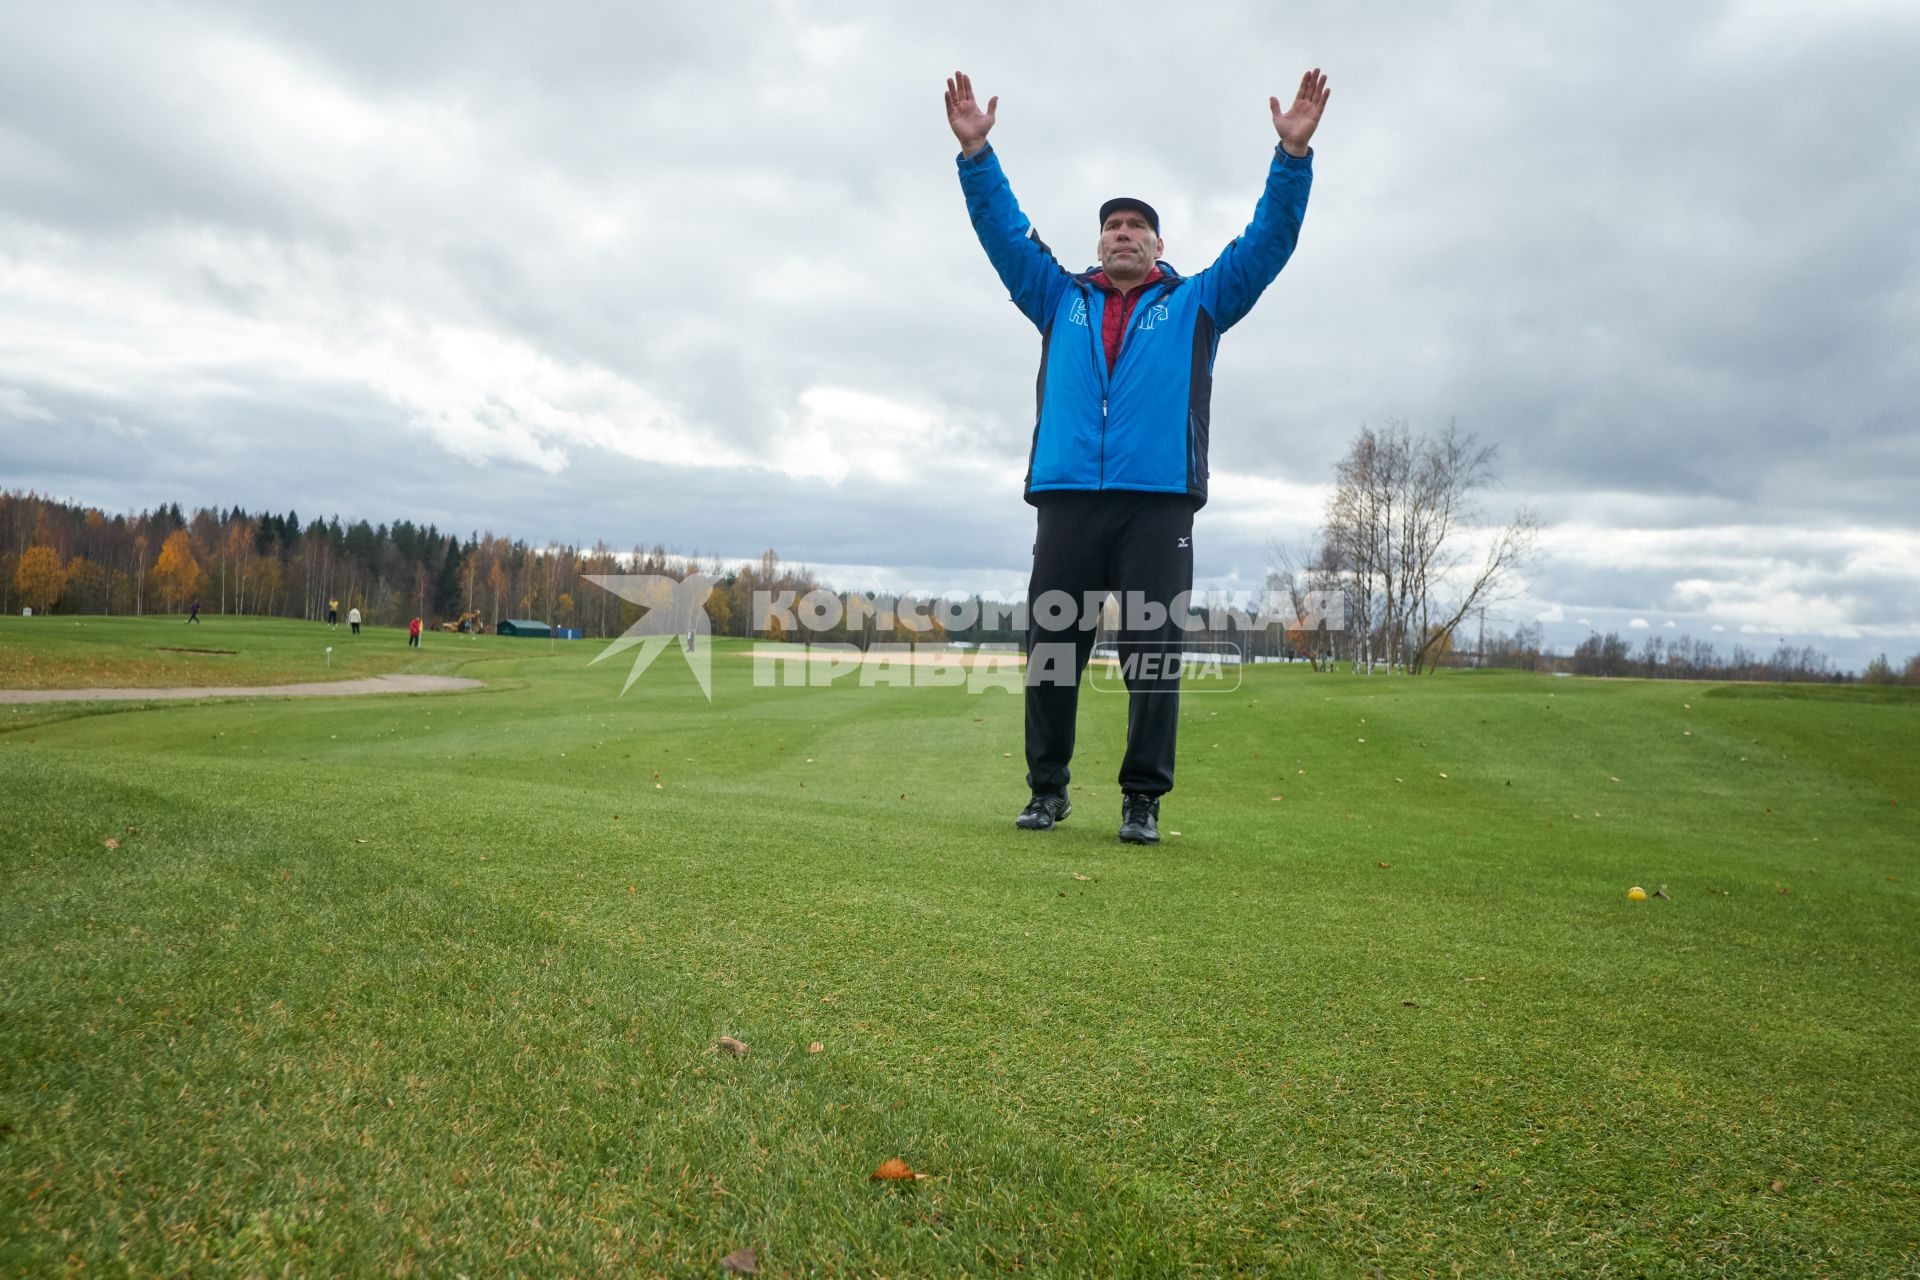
(436, 984)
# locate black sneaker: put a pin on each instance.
(1045, 809)
(1140, 818)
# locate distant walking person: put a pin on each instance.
(333, 613)
(194, 615)
(353, 619)
(413, 634)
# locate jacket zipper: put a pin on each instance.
(1100, 356)
(1100, 371)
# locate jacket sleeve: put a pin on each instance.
(1025, 264)
(1244, 269)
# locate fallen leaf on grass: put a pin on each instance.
(1078, 876)
(111, 843)
(133, 831)
(1409, 1004)
(629, 888)
(359, 840)
(1777, 1186)
(1384, 866)
(1661, 892)
(816, 1047)
(1173, 833)
(743, 1262)
(1278, 797)
(1611, 778)
(735, 1047)
(895, 1170)
(1443, 775)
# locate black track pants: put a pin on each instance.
(1140, 547)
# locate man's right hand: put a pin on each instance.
(969, 123)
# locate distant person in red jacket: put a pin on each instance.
(413, 634)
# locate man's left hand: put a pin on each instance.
(1296, 124)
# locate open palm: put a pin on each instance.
(1296, 124)
(964, 116)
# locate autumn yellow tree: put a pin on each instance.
(497, 582)
(719, 611)
(87, 586)
(176, 573)
(263, 582)
(40, 579)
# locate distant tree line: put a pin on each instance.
(58, 557)
(1684, 658)
(1679, 657)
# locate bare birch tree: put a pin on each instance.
(1399, 536)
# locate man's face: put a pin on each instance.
(1128, 246)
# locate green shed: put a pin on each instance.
(522, 627)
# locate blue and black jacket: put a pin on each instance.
(1144, 425)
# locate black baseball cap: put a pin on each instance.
(1112, 206)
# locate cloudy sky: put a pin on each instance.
(702, 275)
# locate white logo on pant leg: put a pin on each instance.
(1181, 542)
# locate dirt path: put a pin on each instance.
(318, 689)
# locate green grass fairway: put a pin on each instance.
(432, 985)
(57, 652)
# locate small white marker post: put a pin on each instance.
(329, 657)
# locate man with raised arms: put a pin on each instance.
(1118, 463)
